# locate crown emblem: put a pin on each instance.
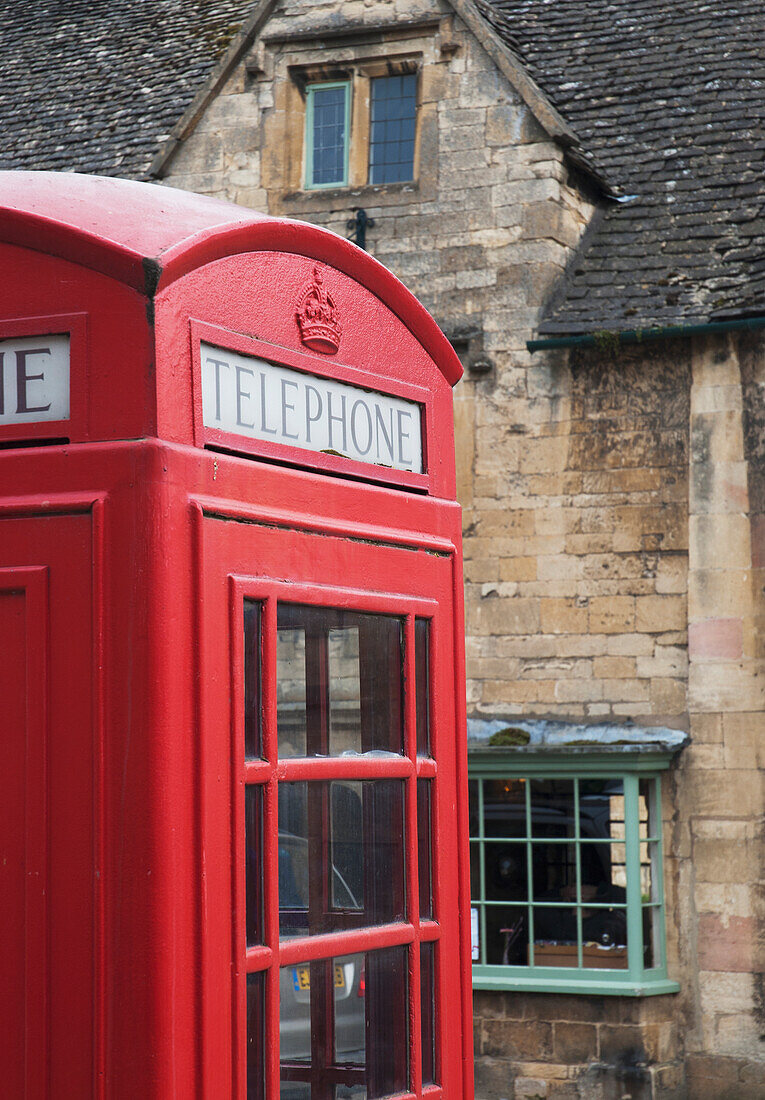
(316, 315)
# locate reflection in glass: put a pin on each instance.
(552, 808)
(253, 816)
(601, 809)
(422, 677)
(343, 1026)
(339, 681)
(354, 832)
(475, 870)
(428, 1012)
(554, 872)
(504, 807)
(424, 848)
(505, 872)
(604, 938)
(473, 808)
(253, 742)
(344, 700)
(507, 935)
(256, 1060)
(291, 691)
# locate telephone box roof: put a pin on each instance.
(148, 236)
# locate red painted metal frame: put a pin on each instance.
(75, 326)
(322, 368)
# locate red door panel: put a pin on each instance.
(342, 890)
(46, 809)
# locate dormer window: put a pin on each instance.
(361, 129)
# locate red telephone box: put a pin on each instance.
(232, 801)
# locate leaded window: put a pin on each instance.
(566, 874)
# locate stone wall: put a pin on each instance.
(614, 519)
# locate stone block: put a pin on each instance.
(530, 1088)
(719, 593)
(758, 541)
(668, 697)
(659, 613)
(672, 574)
(626, 691)
(578, 691)
(517, 1038)
(721, 488)
(612, 616)
(573, 1042)
(721, 860)
(518, 569)
(706, 727)
(494, 1079)
(719, 542)
(614, 668)
(622, 1043)
(726, 686)
(725, 943)
(667, 661)
(744, 740)
(629, 645)
(563, 617)
(503, 125)
(497, 615)
(716, 638)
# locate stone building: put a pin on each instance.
(577, 196)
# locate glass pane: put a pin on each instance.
(391, 138)
(648, 857)
(644, 801)
(343, 1026)
(648, 801)
(552, 808)
(424, 858)
(507, 935)
(328, 105)
(555, 941)
(474, 827)
(256, 1061)
(651, 936)
(475, 870)
(354, 832)
(253, 815)
(554, 872)
(505, 872)
(504, 807)
(428, 1012)
(554, 929)
(422, 676)
(253, 742)
(601, 809)
(344, 701)
(290, 691)
(604, 874)
(339, 682)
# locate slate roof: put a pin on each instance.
(668, 99)
(95, 85)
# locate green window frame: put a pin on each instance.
(632, 848)
(313, 133)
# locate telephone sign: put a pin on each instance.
(34, 379)
(266, 401)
